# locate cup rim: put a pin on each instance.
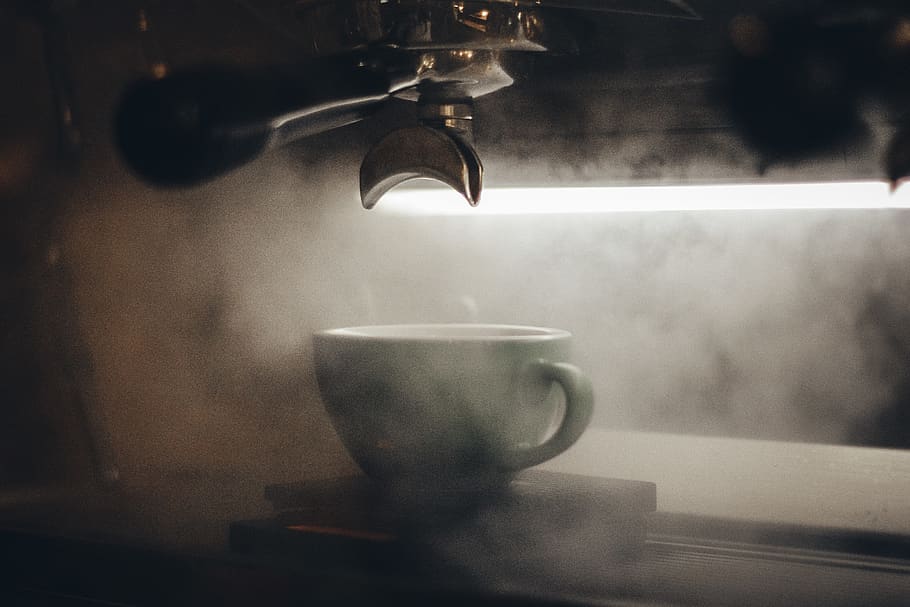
(445, 332)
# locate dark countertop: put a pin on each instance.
(39, 569)
(127, 548)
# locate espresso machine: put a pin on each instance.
(182, 128)
(793, 86)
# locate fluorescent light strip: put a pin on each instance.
(628, 199)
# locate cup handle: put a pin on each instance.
(579, 407)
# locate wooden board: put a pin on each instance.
(541, 515)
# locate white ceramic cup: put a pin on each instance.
(448, 401)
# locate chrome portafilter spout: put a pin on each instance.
(450, 77)
(440, 148)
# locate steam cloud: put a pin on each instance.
(786, 325)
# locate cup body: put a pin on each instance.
(438, 402)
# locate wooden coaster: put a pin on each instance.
(540, 516)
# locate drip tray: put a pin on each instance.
(539, 520)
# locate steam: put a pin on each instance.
(198, 310)
(197, 307)
(755, 324)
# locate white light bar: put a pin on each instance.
(566, 200)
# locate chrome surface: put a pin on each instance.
(420, 152)
(463, 73)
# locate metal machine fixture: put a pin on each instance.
(791, 86)
(187, 127)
